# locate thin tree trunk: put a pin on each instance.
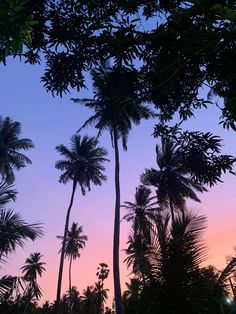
(70, 274)
(63, 249)
(70, 298)
(171, 209)
(116, 238)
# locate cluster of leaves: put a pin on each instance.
(166, 255)
(14, 231)
(91, 301)
(199, 153)
(182, 47)
(16, 26)
(169, 276)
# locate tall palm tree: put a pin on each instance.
(83, 165)
(116, 105)
(173, 181)
(11, 146)
(75, 241)
(14, 231)
(32, 268)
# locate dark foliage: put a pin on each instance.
(82, 163)
(14, 231)
(11, 147)
(182, 46)
(176, 282)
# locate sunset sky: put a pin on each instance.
(51, 121)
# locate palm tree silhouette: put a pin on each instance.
(14, 231)
(116, 105)
(174, 258)
(75, 241)
(10, 148)
(142, 212)
(7, 193)
(172, 180)
(83, 165)
(33, 267)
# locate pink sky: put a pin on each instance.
(51, 121)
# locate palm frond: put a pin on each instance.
(7, 193)
(14, 231)
(10, 148)
(228, 270)
(6, 284)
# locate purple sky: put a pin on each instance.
(51, 121)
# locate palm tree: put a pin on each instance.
(116, 105)
(14, 231)
(172, 180)
(141, 212)
(75, 241)
(175, 255)
(32, 268)
(7, 193)
(137, 257)
(83, 165)
(10, 148)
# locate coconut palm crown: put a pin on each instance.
(33, 266)
(116, 103)
(142, 212)
(82, 163)
(173, 181)
(75, 241)
(11, 145)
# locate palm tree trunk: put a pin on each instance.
(70, 274)
(63, 249)
(70, 303)
(116, 238)
(171, 209)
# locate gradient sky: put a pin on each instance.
(51, 121)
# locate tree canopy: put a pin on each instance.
(179, 47)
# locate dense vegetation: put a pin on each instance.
(139, 53)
